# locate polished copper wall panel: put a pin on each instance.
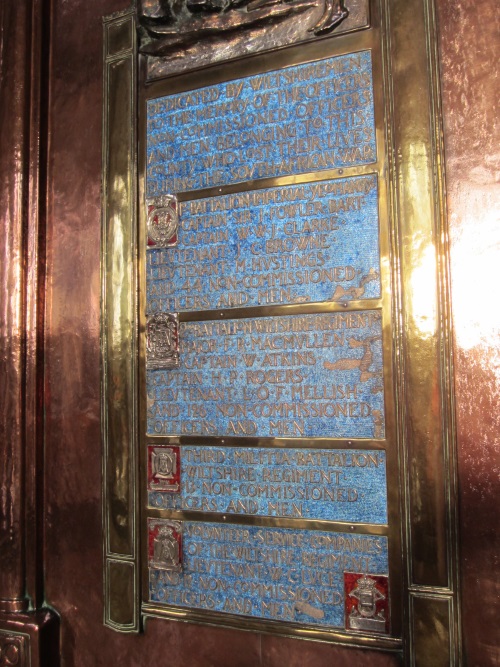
(74, 571)
(74, 576)
(14, 27)
(28, 632)
(469, 38)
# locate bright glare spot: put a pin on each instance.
(422, 285)
(475, 280)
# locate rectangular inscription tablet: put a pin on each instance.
(317, 375)
(332, 485)
(294, 244)
(299, 119)
(283, 574)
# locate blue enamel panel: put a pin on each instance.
(317, 375)
(299, 119)
(269, 573)
(294, 244)
(344, 485)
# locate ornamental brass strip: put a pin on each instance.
(121, 607)
(290, 309)
(282, 522)
(432, 631)
(270, 627)
(422, 312)
(422, 245)
(118, 308)
(278, 181)
(120, 37)
(119, 357)
(246, 441)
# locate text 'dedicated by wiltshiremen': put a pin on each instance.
(264, 379)
(299, 119)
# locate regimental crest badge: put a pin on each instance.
(162, 341)
(366, 602)
(165, 544)
(163, 221)
(164, 469)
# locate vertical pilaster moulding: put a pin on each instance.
(119, 325)
(420, 269)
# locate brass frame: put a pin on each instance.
(118, 325)
(420, 440)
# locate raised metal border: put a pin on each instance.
(411, 129)
(338, 45)
(424, 365)
(119, 341)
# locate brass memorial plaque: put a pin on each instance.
(286, 283)
(264, 412)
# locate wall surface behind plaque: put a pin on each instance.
(73, 521)
(469, 38)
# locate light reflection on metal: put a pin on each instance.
(422, 285)
(335, 12)
(476, 270)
